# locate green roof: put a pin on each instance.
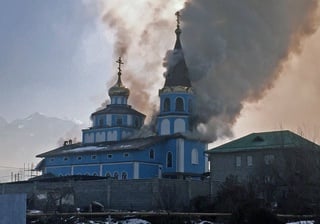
(265, 140)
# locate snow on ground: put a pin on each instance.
(301, 222)
(134, 221)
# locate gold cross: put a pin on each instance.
(119, 64)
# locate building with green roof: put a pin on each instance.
(270, 160)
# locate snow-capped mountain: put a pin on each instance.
(3, 122)
(22, 139)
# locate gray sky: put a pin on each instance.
(57, 56)
(54, 59)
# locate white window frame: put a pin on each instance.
(249, 160)
(238, 161)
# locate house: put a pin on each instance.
(276, 163)
(110, 147)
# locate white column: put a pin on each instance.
(135, 170)
(180, 155)
(100, 170)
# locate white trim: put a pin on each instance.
(58, 166)
(180, 155)
(206, 163)
(150, 163)
(135, 170)
(95, 164)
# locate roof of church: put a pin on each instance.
(177, 74)
(118, 109)
(125, 145)
(265, 140)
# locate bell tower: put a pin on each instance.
(176, 96)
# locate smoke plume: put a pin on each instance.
(235, 50)
(239, 50)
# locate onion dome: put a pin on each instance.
(119, 89)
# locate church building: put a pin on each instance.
(109, 148)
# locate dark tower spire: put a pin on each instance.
(177, 71)
(178, 32)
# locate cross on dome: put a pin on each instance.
(178, 19)
(119, 61)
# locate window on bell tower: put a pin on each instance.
(169, 159)
(166, 105)
(179, 104)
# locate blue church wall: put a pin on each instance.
(122, 161)
(59, 171)
(116, 120)
(171, 123)
(148, 170)
(197, 165)
(86, 169)
(171, 107)
(120, 168)
(118, 100)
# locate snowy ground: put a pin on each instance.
(301, 222)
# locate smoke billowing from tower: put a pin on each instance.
(234, 49)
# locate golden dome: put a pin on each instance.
(119, 89)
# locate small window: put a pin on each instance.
(65, 158)
(51, 159)
(93, 157)
(79, 157)
(268, 159)
(95, 174)
(109, 156)
(108, 175)
(258, 139)
(194, 157)
(116, 175)
(124, 175)
(126, 154)
(238, 161)
(100, 122)
(169, 159)
(166, 105)
(179, 104)
(249, 160)
(119, 121)
(151, 154)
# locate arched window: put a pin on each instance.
(116, 175)
(124, 175)
(179, 104)
(108, 175)
(166, 105)
(151, 154)
(136, 122)
(100, 122)
(194, 156)
(169, 159)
